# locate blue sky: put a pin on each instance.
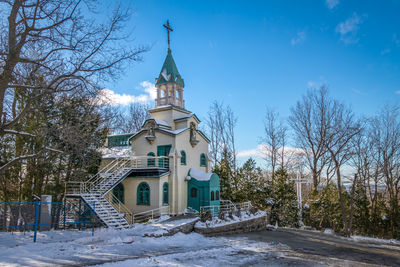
(257, 54)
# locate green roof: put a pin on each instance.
(169, 72)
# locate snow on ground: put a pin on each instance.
(162, 225)
(105, 245)
(234, 252)
(356, 238)
(373, 239)
(72, 247)
(215, 222)
(131, 248)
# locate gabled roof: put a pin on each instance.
(169, 72)
(187, 117)
(158, 122)
(205, 136)
(171, 132)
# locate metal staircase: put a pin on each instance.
(97, 191)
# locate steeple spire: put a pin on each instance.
(169, 82)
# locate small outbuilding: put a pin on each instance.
(203, 189)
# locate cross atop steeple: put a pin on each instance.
(169, 29)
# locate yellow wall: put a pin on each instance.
(178, 172)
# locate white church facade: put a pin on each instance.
(173, 153)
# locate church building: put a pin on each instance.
(171, 152)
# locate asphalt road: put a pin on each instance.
(304, 248)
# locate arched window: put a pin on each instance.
(143, 194)
(193, 192)
(217, 195)
(151, 162)
(203, 160)
(165, 193)
(212, 195)
(183, 158)
(119, 193)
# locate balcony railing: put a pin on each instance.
(169, 100)
(117, 165)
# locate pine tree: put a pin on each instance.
(226, 175)
(251, 185)
(284, 209)
(361, 216)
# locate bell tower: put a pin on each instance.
(169, 83)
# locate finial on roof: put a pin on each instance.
(169, 29)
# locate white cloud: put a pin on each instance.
(331, 3)
(348, 29)
(149, 88)
(300, 37)
(256, 152)
(262, 150)
(109, 97)
(397, 92)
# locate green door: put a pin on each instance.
(194, 197)
(163, 151)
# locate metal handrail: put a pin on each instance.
(121, 163)
(246, 206)
(120, 207)
(150, 214)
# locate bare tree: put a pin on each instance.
(275, 133)
(221, 124)
(386, 142)
(310, 120)
(132, 120)
(48, 47)
(342, 129)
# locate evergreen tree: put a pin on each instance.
(251, 183)
(226, 174)
(361, 216)
(324, 209)
(284, 209)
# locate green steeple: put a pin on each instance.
(169, 72)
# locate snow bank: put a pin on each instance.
(328, 231)
(215, 222)
(358, 238)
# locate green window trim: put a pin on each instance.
(165, 194)
(212, 196)
(143, 194)
(183, 157)
(151, 162)
(203, 160)
(163, 151)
